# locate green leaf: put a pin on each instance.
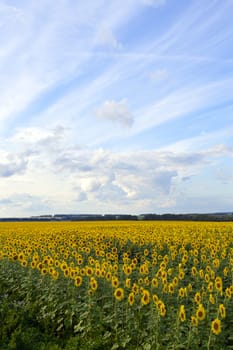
(59, 327)
(125, 341)
(147, 346)
(106, 335)
(79, 327)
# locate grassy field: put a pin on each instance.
(116, 285)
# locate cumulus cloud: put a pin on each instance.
(142, 178)
(79, 195)
(127, 176)
(12, 165)
(116, 112)
(99, 178)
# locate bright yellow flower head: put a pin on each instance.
(119, 294)
(200, 313)
(131, 298)
(222, 310)
(145, 299)
(182, 313)
(216, 326)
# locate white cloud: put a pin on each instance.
(102, 179)
(142, 175)
(12, 164)
(116, 112)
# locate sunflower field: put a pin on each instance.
(116, 285)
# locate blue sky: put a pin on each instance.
(116, 106)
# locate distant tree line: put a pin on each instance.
(114, 217)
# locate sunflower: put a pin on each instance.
(190, 287)
(216, 263)
(145, 299)
(78, 281)
(40, 266)
(108, 276)
(146, 252)
(222, 310)
(119, 294)
(171, 288)
(200, 313)
(24, 263)
(182, 314)
(194, 321)
(194, 270)
(197, 298)
(44, 271)
(63, 265)
(90, 292)
(201, 273)
(182, 292)
(97, 272)
(216, 326)
(128, 270)
(210, 286)
(131, 298)
(218, 284)
(93, 283)
(140, 281)
(207, 278)
(33, 264)
(228, 293)
(21, 256)
(135, 289)
(66, 272)
(115, 282)
(155, 298)
(175, 281)
(154, 283)
(89, 271)
(57, 263)
(55, 275)
(185, 259)
(170, 271)
(211, 298)
(162, 309)
(128, 282)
